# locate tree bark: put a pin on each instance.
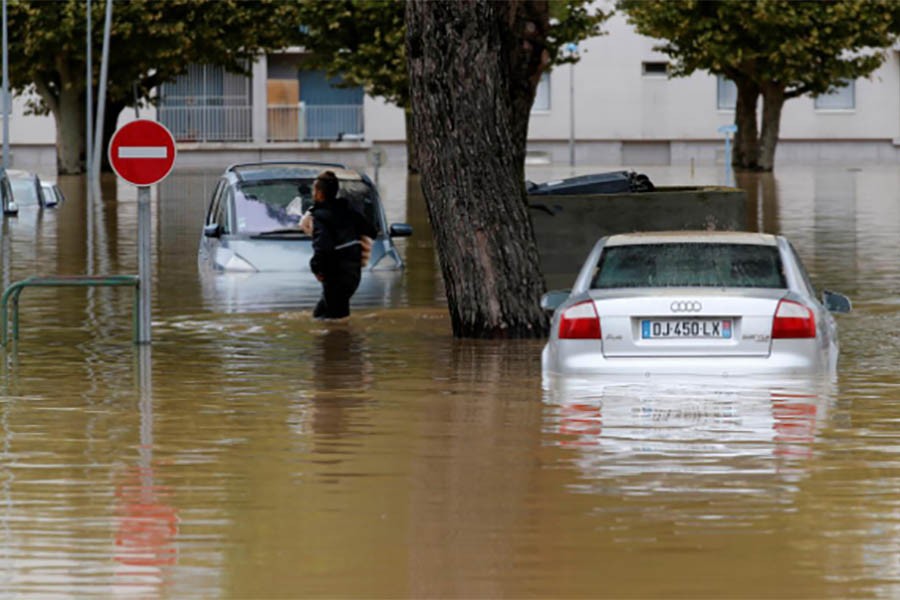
(746, 140)
(69, 113)
(412, 151)
(474, 67)
(773, 102)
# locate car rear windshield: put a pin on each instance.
(273, 204)
(689, 265)
(25, 192)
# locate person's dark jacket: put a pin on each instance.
(336, 226)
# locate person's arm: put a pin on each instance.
(306, 223)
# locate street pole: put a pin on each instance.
(144, 248)
(572, 49)
(5, 91)
(89, 89)
(101, 97)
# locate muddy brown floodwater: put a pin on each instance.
(253, 452)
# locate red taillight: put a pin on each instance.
(580, 322)
(793, 320)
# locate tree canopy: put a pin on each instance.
(150, 42)
(779, 48)
(363, 41)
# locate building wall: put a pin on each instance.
(614, 100)
(622, 116)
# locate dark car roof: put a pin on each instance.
(288, 170)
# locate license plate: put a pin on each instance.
(652, 329)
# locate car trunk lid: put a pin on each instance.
(687, 321)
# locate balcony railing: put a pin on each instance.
(285, 123)
(298, 122)
(208, 123)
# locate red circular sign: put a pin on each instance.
(142, 152)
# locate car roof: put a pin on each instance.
(19, 174)
(289, 170)
(692, 237)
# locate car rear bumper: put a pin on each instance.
(787, 358)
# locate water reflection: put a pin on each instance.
(342, 374)
(265, 292)
(687, 436)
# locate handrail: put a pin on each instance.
(14, 290)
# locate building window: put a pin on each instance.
(842, 98)
(542, 95)
(655, 69)
(726, 93)
(207, 104)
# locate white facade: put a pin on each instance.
(623, 115)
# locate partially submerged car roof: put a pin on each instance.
(290, 170)
(692, 237)
(20, 174)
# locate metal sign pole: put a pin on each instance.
(144, 264)
(6, 102)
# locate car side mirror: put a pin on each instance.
(213, 230)
(400, 230)
(836, 303)
(552, 300)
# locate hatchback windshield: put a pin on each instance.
(275, 204)
(689, 265)
(25, 192)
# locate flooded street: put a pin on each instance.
(255, 453)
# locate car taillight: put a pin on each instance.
(580, 322)
(793, 320)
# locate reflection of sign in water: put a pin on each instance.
(147, 523)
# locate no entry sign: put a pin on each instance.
(142, 152)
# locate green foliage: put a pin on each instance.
(364, 40)
(803, 47)
(150, 42)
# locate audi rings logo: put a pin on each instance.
(686, 306)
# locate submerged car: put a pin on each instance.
(252, 222)
(6, 194)
(53, 196)
(27, 191)
(673, 303)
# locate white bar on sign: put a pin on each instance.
(143, 152)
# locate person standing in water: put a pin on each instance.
(337, 247)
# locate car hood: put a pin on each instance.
(246, 254)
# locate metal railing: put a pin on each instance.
(299, 122)
(15, 290)
(208, 123)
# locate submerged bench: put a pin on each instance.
(14, 291)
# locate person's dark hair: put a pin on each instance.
(327, 181)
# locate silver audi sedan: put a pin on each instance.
(692, 303)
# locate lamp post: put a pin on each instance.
(572, 50)
(5, 91)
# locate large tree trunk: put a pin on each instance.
(474, 67)
(746, 140)
(69, 114)
(773, 102)
(412, 151)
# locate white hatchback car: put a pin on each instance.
(688, 303)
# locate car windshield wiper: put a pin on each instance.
(287, 232)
